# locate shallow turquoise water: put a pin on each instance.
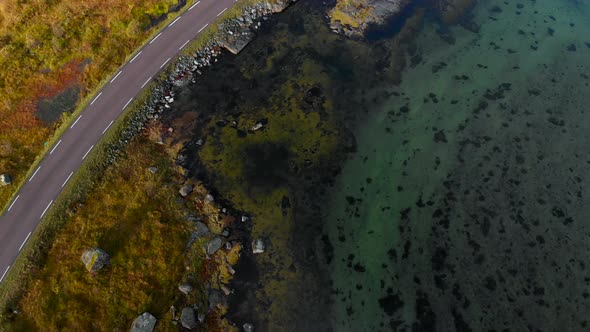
(465, 206)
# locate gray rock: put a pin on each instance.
(214, 245)
(201, 317)
(153, 170)
(248, 327)
(5, 179)
(185, 289)
(201, 229)
(258, 246)
(188, 318)
(95, 259)
(186, 190)
(144, 323)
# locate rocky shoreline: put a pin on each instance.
(218, 230)
(221, 234)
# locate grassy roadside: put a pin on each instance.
(47, 48)
(34, 254)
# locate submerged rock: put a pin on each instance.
(258, 246)
(248, 327)
(95, 259)
(144, 323)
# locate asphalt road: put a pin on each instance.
(66, 156)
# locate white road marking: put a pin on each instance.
(114, 78)
(221, 12)
(146, 82)
(107, 128)
(156, 37)
(135, 57)
(127, 104)
(55, 147)
(95, 98)
(72, 126)
(68, 179)
(87, 152)
(193, 6)
(183, 45)
(4, 274)
(165, 62)
(48, 205)
(38, 168)
(204, 27)
(10, 207)
(25, 241)
(171, 24)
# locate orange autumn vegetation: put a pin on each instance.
(47, 46)
(133, 215)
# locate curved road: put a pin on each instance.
(66, 156)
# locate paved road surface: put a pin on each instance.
(66, 156)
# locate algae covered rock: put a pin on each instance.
(352, 17)
(95, 259)
(144, 323)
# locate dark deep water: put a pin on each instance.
(450, 198)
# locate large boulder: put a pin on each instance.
(144, 323)
(236, 42)
(95, 259)
(188, 319)
(5, 179)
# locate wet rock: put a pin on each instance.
(144, 323)
(355, 16)
(95, 259)
(214, 245)
(186, 190)
(185, 289)
(258, 246)
(5, 179)
(188, 318)
(248, 327)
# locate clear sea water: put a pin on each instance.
(465, 207)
